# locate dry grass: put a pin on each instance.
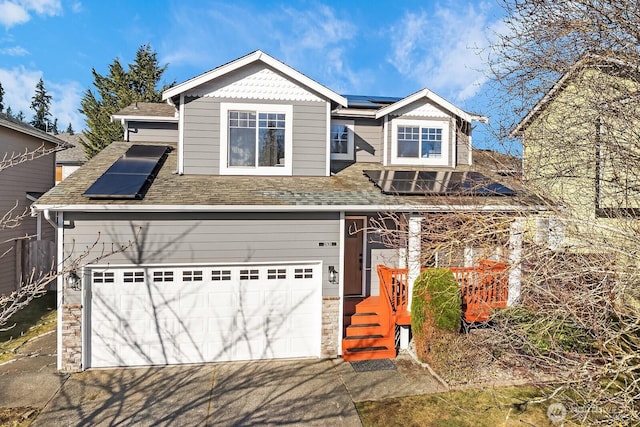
(472, 407)
(33, 320)
(17, 417)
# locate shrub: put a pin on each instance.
(435, 308)
(436, 296)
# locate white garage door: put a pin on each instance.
(157, 316)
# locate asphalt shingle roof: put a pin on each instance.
(349, 187)
(148, 109)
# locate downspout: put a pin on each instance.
(598, 177)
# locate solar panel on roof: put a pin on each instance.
(131, 175)
(436, 183)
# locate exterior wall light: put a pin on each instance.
(73, 280)
(333, 275)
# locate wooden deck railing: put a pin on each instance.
(484, 288)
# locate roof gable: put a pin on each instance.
(254, 57)
(601, 63)
(255, 81)
(27, 129)
(433, 98)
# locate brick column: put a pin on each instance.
(330, 315)
(71, 338)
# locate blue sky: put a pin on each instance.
(374, 47)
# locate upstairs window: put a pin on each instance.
(416, 142)
(255, 139)
(341, 139)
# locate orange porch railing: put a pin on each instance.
(484, 288)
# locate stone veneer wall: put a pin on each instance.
(71, 337)
(330, 326)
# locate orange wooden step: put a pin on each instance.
(369, 353)
(366, 341)
(365, 329)
(364, 318)
(369, 302)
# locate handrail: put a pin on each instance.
(395, 283)
(387, 304)
(483, 288)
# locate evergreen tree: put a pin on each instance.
(69, 129)
(40, 104)
(9, 112)
(20, 116)
(54, 127)
(1, 98)
(114, 91)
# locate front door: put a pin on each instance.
(353, 255)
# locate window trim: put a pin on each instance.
(442, 160)
(350, 125)
(225, 169)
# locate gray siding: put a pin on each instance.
(153, 132)
(193, 238)
(202, 135)
(36, 175)
(368, 140)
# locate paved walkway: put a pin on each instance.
(290, 392)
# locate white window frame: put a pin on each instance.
(442, 160)
(225, 169)
(350, 125)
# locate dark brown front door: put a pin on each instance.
(353, 253)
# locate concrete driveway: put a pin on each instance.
(305, 392)
(283, 392)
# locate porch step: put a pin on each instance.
(373, 301)
(366, 341)
(369, 353)
(364, 318)
(364, 329)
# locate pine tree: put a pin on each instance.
(41, 103)
(114, 91)
(9, 112)
(69, 129)
(54, 127)
(20, 116)
(1, 98)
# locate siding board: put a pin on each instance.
(212, 239)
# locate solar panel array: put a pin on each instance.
(436, 183)
(131, 175)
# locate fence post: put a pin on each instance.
(515, 261)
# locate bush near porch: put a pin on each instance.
(436, 308)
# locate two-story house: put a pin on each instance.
(27, 158)
(243, 207)
(581, 151)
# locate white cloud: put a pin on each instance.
(12, 14)
(441, 51)
(19, 84)
(14, 51)
(65, 101)
(16, 12)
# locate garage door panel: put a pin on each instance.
(205, 314)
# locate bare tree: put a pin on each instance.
(568, 81)
(36, 283)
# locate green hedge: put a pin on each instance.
(436, 299)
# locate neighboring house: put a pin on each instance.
(244, 207)
(581, 151)
(27, 171)
(69, 160)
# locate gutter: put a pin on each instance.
(284, 208)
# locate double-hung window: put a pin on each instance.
(341, 139)
(420, 142)
(255, 139)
